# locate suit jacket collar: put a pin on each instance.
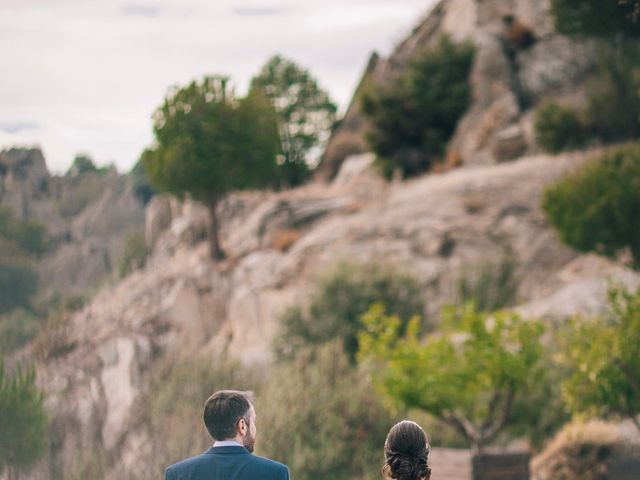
(232, 450)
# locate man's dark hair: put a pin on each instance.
(223, 409)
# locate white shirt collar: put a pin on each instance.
(227, 443)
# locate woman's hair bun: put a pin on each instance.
(406, 452)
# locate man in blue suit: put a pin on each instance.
(231, 421)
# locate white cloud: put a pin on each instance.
(89, 73)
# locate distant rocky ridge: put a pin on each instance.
(87, 217)
(507, 82)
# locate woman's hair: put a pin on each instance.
(406, 452)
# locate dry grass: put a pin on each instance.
(578, 452)
(283, 240)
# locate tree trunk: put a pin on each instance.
(214, 244)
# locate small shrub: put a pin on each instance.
(322, 417)
(18, 283)
(134, 255)
(559, 129)
(414, 118)
(597, 209)
(490, 285)
(343, 295)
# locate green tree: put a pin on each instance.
(597, 209)
(306, 114)
(208, 142)
(23, 419)
(605, 374)
(468, 375)
(342, 296)
(413, 118)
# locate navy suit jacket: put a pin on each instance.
(227, 463)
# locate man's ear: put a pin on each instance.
(242, 427)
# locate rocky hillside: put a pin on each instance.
(96, 366)
(433, 226)
(87, 217)
(509, 78)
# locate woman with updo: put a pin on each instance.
(406, 453)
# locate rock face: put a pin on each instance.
(87, 217)
(508, 81)
(434, 227)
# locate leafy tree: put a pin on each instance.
(605, 374)
(343, 295)
(468, 375)
(598, 208)
(413, 118)
(23, 420)
(321, 417)
(306, 114)
(208, 142)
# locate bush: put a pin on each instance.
(597, 209)
(30, 238)
(322, 418)
(343, 295)
(490, 285)
(23, 419)
(18, 282)
(414, 118)
(559, 129)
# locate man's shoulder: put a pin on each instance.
(254, 463)
(268, 463)
(184, 465)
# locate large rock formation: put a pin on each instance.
(87, 217)
(508, 80)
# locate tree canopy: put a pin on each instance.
(468, 374)
(605, 374)
(413, 118)
(305, 111)
(208, 142)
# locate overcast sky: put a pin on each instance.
(85, 75)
